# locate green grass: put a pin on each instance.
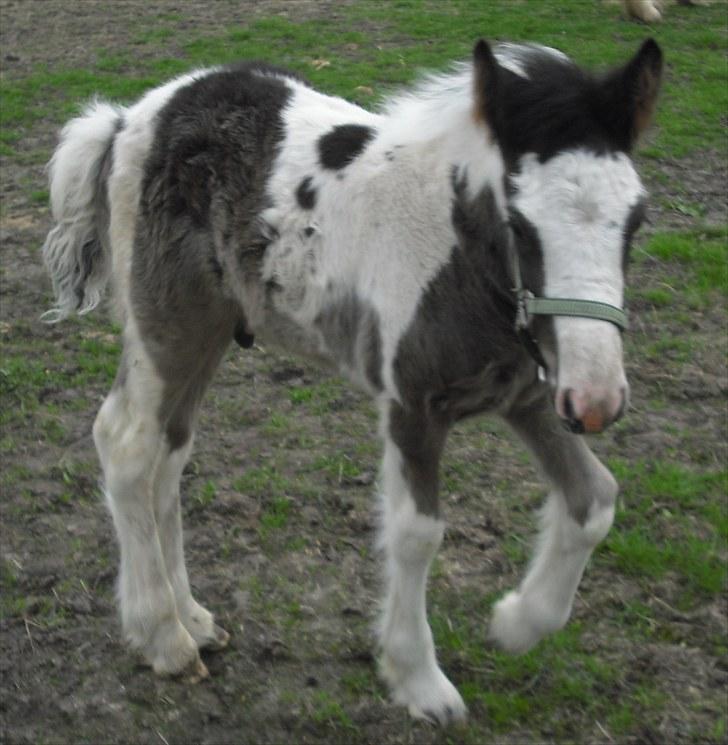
(700, 254)
(529, 690)
(427, 35)
(206, 494)
(673, 521)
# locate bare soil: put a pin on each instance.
(299, 597)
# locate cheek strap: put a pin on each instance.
(528, 305)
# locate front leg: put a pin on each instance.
(576, 517)
(410, 536)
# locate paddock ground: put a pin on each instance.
(278, 498)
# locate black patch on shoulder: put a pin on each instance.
(306, 194)
(342, 144)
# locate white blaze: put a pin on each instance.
(578, 203)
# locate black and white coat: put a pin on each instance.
(236, 203)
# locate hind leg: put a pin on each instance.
(129, 441)
(188, 354)
(576, 517)
(196, 619)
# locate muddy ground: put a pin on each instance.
(285, 558)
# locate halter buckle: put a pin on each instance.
(522, 297)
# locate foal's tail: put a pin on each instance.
(74, 251)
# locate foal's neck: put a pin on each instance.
(440, 113)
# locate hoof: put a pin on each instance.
(427, 694)
(517, 625)
(195, 672)
(219, 640)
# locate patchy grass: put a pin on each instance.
(412, 36)
(664, 560)
(672, 521)
(695, 262)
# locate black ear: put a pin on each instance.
(630, 93)
(485, 78)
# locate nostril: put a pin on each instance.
(571, 421)
(574, 426)
(569, 406)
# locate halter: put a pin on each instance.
(527, 305)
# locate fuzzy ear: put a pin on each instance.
(631, 92)
(485, 79)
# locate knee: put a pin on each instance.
(103, 426)
(605, 488)
(126, 444)
(603, 499)
(411, 537)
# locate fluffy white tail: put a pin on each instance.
(73, 251)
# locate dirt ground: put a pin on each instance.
(296, 585)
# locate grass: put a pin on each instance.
(673, 521)
(700, 256)
(529, 690)
(427, 35)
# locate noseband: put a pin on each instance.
(528, 305)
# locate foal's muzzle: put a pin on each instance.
(586, 413)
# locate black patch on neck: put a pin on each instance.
(530, 251)
(306, 194)
(342, 144)
(461, 354)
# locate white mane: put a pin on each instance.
(436, 106)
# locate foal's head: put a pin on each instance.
(574, 202)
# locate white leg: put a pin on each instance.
(542, 604)
(196, 619)
(408, 663)
(128, 440)
(575, 518)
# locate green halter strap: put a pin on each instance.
(529, 305)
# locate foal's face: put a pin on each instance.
(573, 217)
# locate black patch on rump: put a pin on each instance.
(197, 234)
(342, 144)
(460, 354)
(306, 194)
